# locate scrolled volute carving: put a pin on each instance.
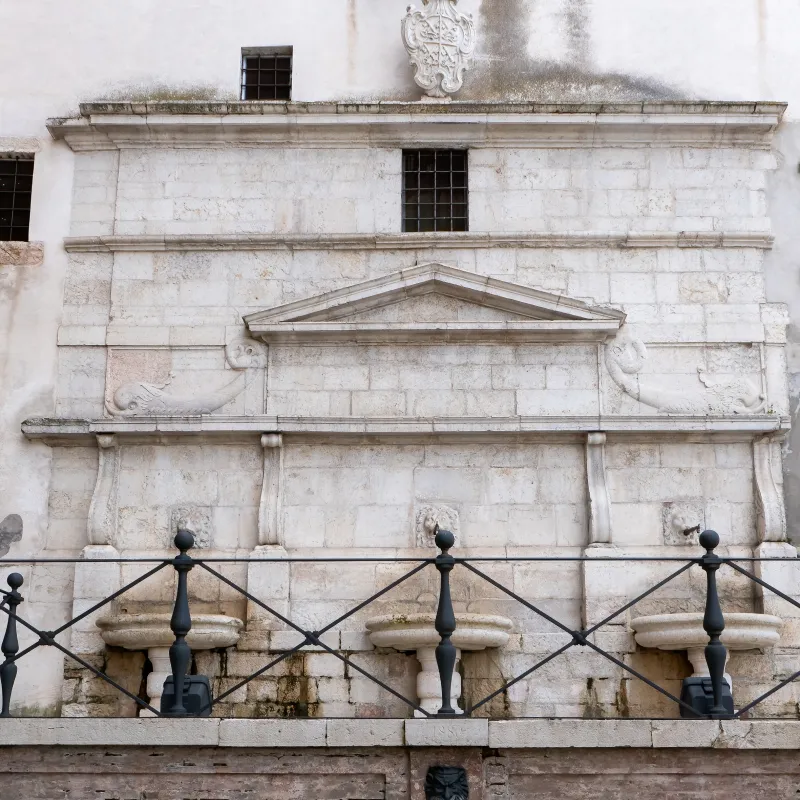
(446, 783)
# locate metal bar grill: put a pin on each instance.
(435, 196)
(446, 623)
(16, 179)
(266, 76)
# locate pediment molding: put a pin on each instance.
(537, 315)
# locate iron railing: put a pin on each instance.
(446, 622)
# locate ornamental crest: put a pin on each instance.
(440, 41)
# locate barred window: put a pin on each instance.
(267, 73)
(16, 178)
(435, 190)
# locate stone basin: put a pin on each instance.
(152, 632)
(416, 632)
(743, 631)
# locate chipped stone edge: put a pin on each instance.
(345, 733)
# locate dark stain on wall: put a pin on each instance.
(10, 532)
(504, 70)
(352, 40)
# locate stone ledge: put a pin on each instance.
(521, 734)
(112, 126)
(248, 108)
(413, 241)
(57, 431)
(21, 254)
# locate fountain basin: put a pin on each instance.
(416, 632)
(743, 631)
(151, 632)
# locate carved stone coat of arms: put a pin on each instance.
(440, 41)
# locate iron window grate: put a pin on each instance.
(267, 74)
(16, 179)
(435, 191)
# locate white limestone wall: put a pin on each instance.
(369, 497)
(351, 48)
(310, 190)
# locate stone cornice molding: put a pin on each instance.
(112, 126)
(414, 241)
(58, 431)
(435, 332)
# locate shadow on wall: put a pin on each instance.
(503, 69)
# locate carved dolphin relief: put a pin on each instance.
(150, 400)
(141, 399)
(625, 357)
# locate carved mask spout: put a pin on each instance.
(446, 783)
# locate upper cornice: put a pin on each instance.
(118, 125)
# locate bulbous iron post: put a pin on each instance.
(714, 623)
(10, 646)
(445, 621)
(180, 654)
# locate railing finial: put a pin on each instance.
(446, 653)
(10, 646)
(714, 623)
(180, 654)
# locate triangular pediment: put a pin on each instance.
(434, 301)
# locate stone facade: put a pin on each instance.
(251, 348)
(387, 760)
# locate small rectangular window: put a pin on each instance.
(267, 73)
(16, 178)
(435, 191)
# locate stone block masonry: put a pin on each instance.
(257, 350)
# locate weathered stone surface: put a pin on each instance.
(365, 733)
(569, 733)
(272, 733)
(447, 732)
(21, 254)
